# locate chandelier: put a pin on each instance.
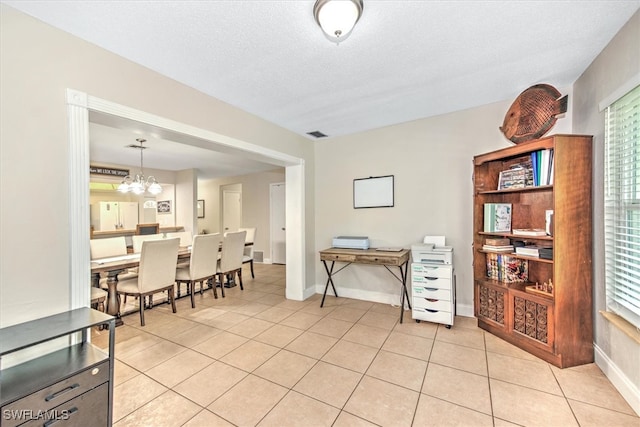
(337, 17)
(138, 184)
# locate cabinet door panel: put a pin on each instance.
(533, 320)
(491, 303)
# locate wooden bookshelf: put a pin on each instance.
(557, 327)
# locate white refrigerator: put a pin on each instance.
(114, 215)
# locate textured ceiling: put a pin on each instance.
(404, 60)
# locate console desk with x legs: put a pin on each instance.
(372, 256)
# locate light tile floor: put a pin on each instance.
(255, 358)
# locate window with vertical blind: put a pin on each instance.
(622, 206)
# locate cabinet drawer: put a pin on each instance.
(376, 259)
(432, 293)
(433, 304)
(444, 317)
(431, 282)
(52, 396)
(338, 257)
(431, 270)
(88, 409)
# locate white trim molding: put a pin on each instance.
(627, 389)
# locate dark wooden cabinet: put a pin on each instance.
(556, 326)
(72, 386)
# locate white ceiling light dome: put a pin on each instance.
(337, 17)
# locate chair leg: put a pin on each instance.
(221, 278)
(141, 310)
(253, 276)
(240, 278)
(193, 286)
(211, 281)
(172, 298)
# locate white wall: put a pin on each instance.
(255, 204)
(431, 160)
(38, 64)
(616, 352)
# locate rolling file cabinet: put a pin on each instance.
(433, 293)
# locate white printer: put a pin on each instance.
(351, 242)
(432, 250)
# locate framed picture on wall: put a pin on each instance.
(200, 208)
(164, 206)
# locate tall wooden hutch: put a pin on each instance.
(555, 326)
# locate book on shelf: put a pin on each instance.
(528, 232)
(507, 269)
(546, 253)
(542, 165)
(491, 248)
(512, 178)
(530, 250)
(497, 241)
(497, 217)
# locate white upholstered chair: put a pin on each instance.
(110, 247)
(202, 265)
(186, 238)
(157, 272)
(230, 262)
(248, 248)
(138, 240)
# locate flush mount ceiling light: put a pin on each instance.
(337, 17)
(139, 185)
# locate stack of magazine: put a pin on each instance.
(497, 245)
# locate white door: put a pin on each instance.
(231, 210)
(278, 231)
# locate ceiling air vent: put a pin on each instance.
(317, 134)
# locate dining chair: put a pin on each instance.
(230, 261)
(201, 268)
(248, 247)
(153, 228)
(110, 247)
(157, 273)
(98, 297)
(138, 240)
(186, 238)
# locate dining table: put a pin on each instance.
(113, 266)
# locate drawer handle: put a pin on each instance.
(62, 418)
(64, 390)
(431, 289)
(430, 278)
(431, 311)
(431, 300)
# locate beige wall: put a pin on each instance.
(255, 204)
(617, 354)
(431, 160)
(37, 65)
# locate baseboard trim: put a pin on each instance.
(383, 298)
(620, 381)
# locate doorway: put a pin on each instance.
(80, 106)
